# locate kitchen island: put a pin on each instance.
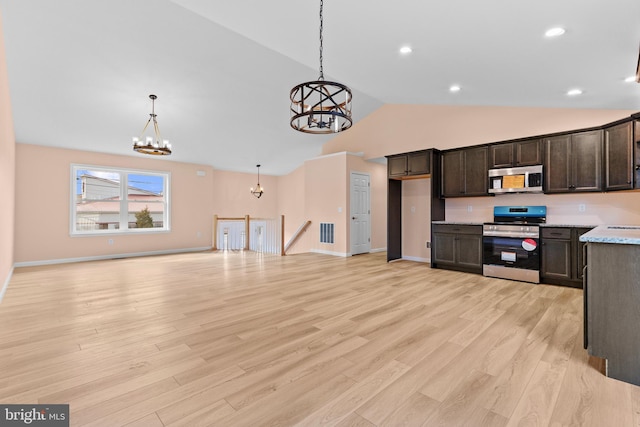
(612, 299)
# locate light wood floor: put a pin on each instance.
(244, 340)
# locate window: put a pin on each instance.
(107, 200)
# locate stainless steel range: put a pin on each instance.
(511, 243)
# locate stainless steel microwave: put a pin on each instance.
(521, 179)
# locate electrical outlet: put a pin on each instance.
(110, 241)
(199, 234)
(582, 207)
(428, 245)
(469, 208)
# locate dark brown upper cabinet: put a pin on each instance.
(409, 165)
(520, 153)
(618, 157)
(573, 162)
(464, 172)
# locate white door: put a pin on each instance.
(360, 213)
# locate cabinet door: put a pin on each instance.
(443, 250)
(556, 259)
(476, 179)
(636, 138)
(452, 174)
(586, 161)
(469, 250)
(397, 165)
(618, 157)
(528, 153)
(557, 164)
(501, 156)
(418, 163)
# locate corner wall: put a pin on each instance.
(7, 173)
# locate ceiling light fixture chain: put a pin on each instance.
(159, 147)
(315, 106)
(259, 190)
(321, 39)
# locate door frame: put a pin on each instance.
(351, 215)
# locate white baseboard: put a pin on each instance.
(417, 259)
(376, 250)
(6, 284)
(110, 256)
(322, 251)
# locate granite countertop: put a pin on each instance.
(568, 225)
(621, 234)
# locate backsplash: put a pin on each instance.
(570, 209)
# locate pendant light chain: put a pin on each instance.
(319, 106)
(321, 25)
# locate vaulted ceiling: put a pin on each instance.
(80, 71)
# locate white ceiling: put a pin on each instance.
(80, 71)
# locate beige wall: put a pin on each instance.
(7, 172)
(232, 196)
(42, 212)
(291, 202)
(620, 207)
(416, 219)
(326, 201)
(401, 128)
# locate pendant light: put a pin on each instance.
(320, 106)
(157, 147)
(258, 191)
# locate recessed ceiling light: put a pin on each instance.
(454, 88)
(405, 50)
(574, 92)
(554, 32)
(630, 79)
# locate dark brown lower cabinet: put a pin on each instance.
(562, 259)
(457, 247)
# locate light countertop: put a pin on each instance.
(621, 234)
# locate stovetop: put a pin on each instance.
(519, 215)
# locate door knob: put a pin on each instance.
(353, 218)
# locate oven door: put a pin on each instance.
(513, 252)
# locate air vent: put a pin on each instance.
(326, 232)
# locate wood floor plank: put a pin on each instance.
(340, 408)
(243, 339)
(412, 412)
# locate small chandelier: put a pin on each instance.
(159, 147)
(320, 106)
(259, 190)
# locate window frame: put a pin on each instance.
(124, 202)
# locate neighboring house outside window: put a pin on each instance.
(106, 200)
